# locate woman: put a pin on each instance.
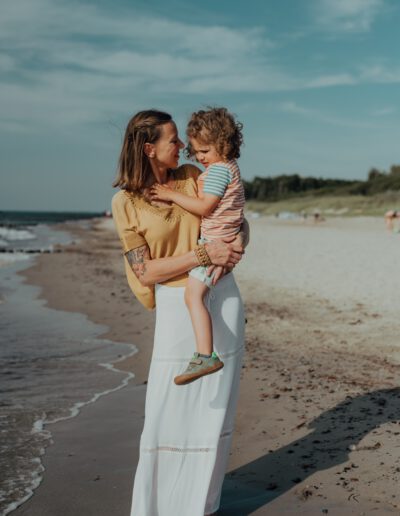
(186, 438)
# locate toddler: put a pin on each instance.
(214, 140)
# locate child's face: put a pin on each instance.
(205, 153)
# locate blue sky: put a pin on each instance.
(316, 84)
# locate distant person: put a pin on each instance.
(215, 138)
(390, 218)
(318, 217)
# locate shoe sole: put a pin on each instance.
(185, 379)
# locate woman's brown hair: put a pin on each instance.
(218, 127)
(134, 166)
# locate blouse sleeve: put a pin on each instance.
(124, 215)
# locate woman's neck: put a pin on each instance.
(160, 174)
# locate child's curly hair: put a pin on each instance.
(218, 127)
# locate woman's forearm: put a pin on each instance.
(163, 269)
(150, 271)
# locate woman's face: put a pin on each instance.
(167, 147)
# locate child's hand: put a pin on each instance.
(218, 271)
(161, 192)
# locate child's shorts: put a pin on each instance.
(200, 272)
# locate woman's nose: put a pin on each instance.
(181, 144)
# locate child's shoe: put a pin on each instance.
(198, 367)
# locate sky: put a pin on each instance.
(315, 83)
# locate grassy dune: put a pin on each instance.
(346, 205)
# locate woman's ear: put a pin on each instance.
(149, 150)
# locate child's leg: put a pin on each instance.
(201, 320)
(199, 365)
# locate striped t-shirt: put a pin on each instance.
(223, 180)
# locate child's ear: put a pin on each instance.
(149, 150)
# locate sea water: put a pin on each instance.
(52, 363)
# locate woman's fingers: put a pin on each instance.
(235, 243)
(237, 248)
(228, 240)
(235, 256)
(224, 254)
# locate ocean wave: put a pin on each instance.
(12, 234)
(22, 486)
(10, 258)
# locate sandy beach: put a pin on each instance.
(318, 421)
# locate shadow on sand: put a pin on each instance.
(257, 483)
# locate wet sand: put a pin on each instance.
(318, 422)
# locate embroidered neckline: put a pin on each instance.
(169, 213)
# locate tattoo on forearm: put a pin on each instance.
(136, 259)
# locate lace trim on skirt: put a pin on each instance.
(176, 449)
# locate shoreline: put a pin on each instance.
(312, 371)
(82, 257)
(42, 273)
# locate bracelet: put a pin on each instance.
(202, 256)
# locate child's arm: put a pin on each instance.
(202, 206)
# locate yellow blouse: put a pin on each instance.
(166, 230)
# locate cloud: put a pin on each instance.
(384, 111)
(292, 107)
(55, 34)
(347, 15)
(380, 73)
(7, 63)
(342, 79)
(78, 61)
(81, 64)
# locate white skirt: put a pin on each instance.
(187, 432)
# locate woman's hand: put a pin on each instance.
(226, 252)
(161, 192)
